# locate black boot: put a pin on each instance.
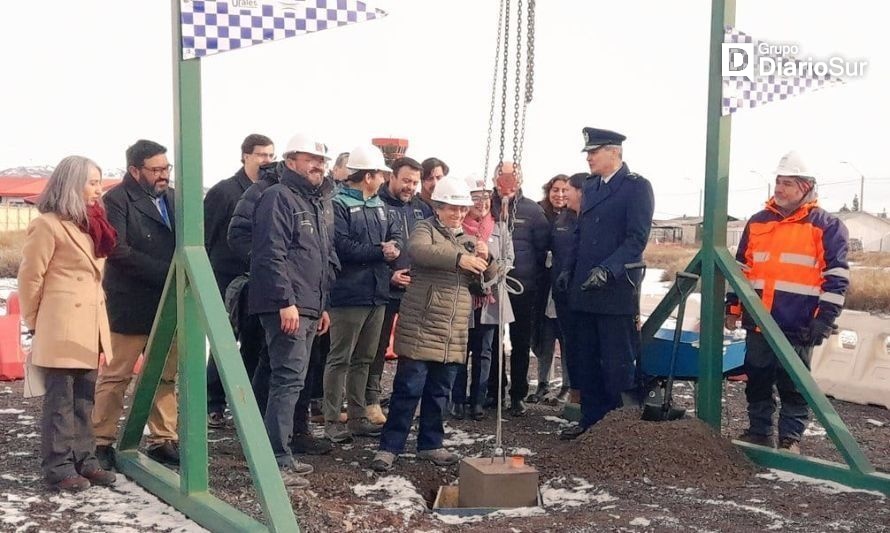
(458, 411)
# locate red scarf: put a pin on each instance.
(100, 230)
(481, 229)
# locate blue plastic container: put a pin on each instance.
(656, 358)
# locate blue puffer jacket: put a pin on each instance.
(531, 239)
(241, 225)
(361, 225)
(408, 215)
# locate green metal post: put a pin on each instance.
(710, 360)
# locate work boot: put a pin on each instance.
(383, 461)
(105, 456)
(166, 453)
(362, 427)
(300, 468)
(306, 444)
(572, 432)
(538, 395)
(563, 395)
(292, 479)
(74, 483)
(757, 439)
(216, 420)
(336, 432)
(99, 476)
(477, 412)
(458, 411)
(439, 456)
(518, 408)
(375, 414)
(789, 445)
(575, 396)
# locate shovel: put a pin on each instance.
(685, 284)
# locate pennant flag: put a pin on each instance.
(213, 26)
(788, 77)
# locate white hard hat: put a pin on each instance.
(452, 190)
(303, 143)
(478, 183)
(366, 157)
(792, 164)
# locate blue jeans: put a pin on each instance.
(765, 371)
(288, 360)
(424, 381)
(479, 350)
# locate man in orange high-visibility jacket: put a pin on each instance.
(794, 254)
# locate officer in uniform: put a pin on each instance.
(612, 231)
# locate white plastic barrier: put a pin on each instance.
(854, 365)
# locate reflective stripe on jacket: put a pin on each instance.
(796, 264)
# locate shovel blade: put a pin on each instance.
(662, 413)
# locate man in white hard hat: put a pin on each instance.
(368, 240)
(293, 262)
(794, 253)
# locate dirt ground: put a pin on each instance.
(624, 475)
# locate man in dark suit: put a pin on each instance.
(141, 211)
(612, 231)
(219, 205)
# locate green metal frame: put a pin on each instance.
(191, 311)
(716, 267)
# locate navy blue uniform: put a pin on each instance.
(612, 231)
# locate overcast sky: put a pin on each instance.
(90, 77)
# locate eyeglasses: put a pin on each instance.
(159, 170)
(480, 198)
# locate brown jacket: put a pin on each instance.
(435, 311)
(60, 287)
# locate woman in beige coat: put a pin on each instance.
(63, 304)
(431, 335)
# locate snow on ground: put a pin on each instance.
(560, 492)
(822, 485)
(395, 493)
(124, 508)
(458, 437)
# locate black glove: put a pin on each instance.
(818, 331)
(562, 282)
(598, 277)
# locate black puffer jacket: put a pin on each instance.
(241, 225)
(531, 240)
(293, 260)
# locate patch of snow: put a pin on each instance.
(814, 429)
(822, 485)
(640, 521)
(9, 477)
(749, 508)
(11, 411)
(28, 435)
(518, 512)
(775, 526)
(874, 422)
(521, 451)
(395, 493)
(25, 417)
(458, 437)
(558, 420)
(560, 493)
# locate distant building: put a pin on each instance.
(868, 233)
(688, 230)
(26, 189)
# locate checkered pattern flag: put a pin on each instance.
(740, 92)
(213, 26)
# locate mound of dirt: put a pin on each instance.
(685, 453)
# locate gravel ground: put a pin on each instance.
(624, 475)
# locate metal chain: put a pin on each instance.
(494, 85)
(530, 54)
(506, 57)
(517, 91)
